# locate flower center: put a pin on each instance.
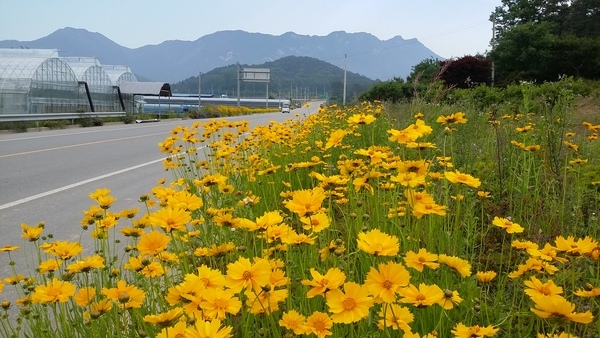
(349, 304)
(247, 275)
(170, 222)
(221, 303)
(420, 297)
(387, 284)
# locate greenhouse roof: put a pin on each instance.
(146, 88)
(23, 63)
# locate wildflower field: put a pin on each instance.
(366, 221)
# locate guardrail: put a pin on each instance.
(56, 116)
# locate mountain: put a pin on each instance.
(175, 60)
(291, 76)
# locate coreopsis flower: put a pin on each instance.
(533, 264)
(536, 288)
(319, 324)
(185, 200)
(154, 269)
(361, 119)
(53, 291)
(363, 182)
(315, 223)
(375, 156)
(450, 298)
(403, 136)
(383, 283)
(266, 302)
(578, 161)
(547, 253)
(166, 318)
(396, 317)
(98, 308)
(507, 225)
(483, 194)
(31, 233)
(420, 127)
(582, 246)
(524, 245)
(335, 138)
(295, 238)
(524, 129)
(588, 292)
(458, 177)
(306, 201)
(293, 321)
(485, 276)
(421, 259)
(458, 117)
(549, 306)
(321, 284)
(218, 302)
(84, 296)
(572, 146)
(421, 209)
(463, 331)
(243, 274)
(409, 179)
(171, 219)
(378, 243)
(49, 265)
(211, 278)
(177, 330)
(208, 329)
(86, 264)
(351, 305)
(128, 296)
(64, 249)
(557, 335)
(425, 295)
(153, 243)
(458, 264)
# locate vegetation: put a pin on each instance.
(421, 220)
(291, 77)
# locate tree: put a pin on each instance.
(466, 72)
(425, 71)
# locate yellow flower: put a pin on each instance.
(153, 243)
(335, 138)
(306, 201)
(208, 329)
(425, 295)
(86, 264)
(165, 318)
(321, 284)
(536, 288)
(460, 265)
(508, 225)
(385, 282)
(128, 296)
(243, 274)
(450, 298)
(351, 305)
(84, 296)
(421, 259)
(49, 265)
(31, 233)
(378, 243)
(319, 324)
(458, 177)
(396, 317)
(171, 218)
(485, 277)
(294, 321)
(218, 302)
(458, 117)
(178, 330)
(315, 223)
(64, 249)
(9, 248)
(361, 119)
(463, 331)
(549, 306)
(53, 291)
(266, 301)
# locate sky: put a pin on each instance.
(450, 28)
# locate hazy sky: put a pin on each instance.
(450, 28)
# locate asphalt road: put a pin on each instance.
(48, 175)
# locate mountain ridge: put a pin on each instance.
(176, 60)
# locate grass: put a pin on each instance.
(364, 221)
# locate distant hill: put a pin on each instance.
(174, 60)
(291, 76)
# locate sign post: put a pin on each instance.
(258, 75)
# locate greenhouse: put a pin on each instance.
(39, 81)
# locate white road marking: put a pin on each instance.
(74, 185)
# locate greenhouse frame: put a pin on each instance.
(39, 81)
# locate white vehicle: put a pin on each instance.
(285, 107)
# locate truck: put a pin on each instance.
(285, 107)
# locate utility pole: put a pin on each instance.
(493, 43)
(199, 91)
(238, 84)
(345, 66)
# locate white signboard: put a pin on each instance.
(256, 74)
